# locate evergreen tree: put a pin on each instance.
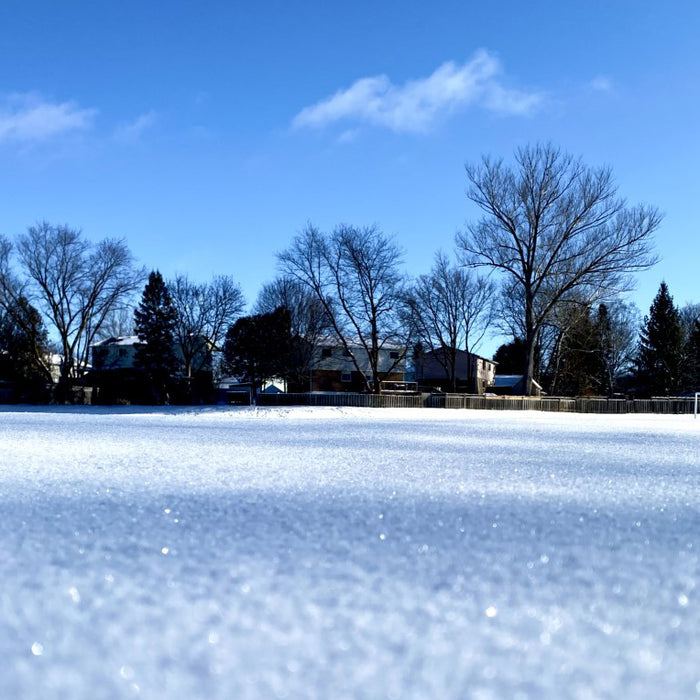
(258, 347)
(510, 357)
(24, 351)
(154, 322)
(660, 356)
(692, 353)
(617, 326)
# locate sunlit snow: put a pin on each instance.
(348, 553)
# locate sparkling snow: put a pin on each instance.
(348, 553)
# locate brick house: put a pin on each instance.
(333, 368)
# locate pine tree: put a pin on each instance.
(154, 322)
(510, 357)
(606, 351)
(258, 347)
(660, 356)
(617, 327)
(692, 352)
(24, 350)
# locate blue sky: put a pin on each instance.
(207, 134)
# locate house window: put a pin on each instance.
(394, 355)
(346, 353)
(345, 377)
(326, 352)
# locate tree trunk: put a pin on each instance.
(530, 341)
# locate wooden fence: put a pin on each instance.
(342, 399)
(670, 405)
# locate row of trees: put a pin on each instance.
(585, 352)
(611, 349)
(61, 293)
(546, 263)
(554, 239)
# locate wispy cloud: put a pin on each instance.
(602, 83)
(133, 130)
(27, 119)
(417, 105)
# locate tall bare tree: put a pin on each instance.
(76, 284)
(204, 313)
(309, 323)
(555, 229)
(355, 275)
(449, 310)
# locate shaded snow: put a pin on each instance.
(348, 553)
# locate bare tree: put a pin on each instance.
(354, 274)
(690, 315)
(555, 229)
(204, 314)
(449, 310)
(618, 325)
(76, 285)
(309, 322)
(118, 323)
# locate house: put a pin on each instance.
(333, 368)
(473, 373)
(120, 353)
(233, 390)
(116, 377)
(115, 353)
(512, 385)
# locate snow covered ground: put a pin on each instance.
(348, 553)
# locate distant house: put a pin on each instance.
(115, 353)
(333, 368)
(116, 377)
(120, 353)
(473, 372)
(233, 390)
(512, 385)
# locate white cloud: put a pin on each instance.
(416, 105)
(29, 119)
(133, 130)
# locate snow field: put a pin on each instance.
(348, 553)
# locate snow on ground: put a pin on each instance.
(348, 553)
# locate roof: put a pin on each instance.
(460, 353)
(505, 380)
(332, 341)
(120, 340)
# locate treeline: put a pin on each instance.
(547, 263)
(611, 350)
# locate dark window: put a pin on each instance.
(326, 352)
(394, 355)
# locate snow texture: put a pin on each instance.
(348, 553)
